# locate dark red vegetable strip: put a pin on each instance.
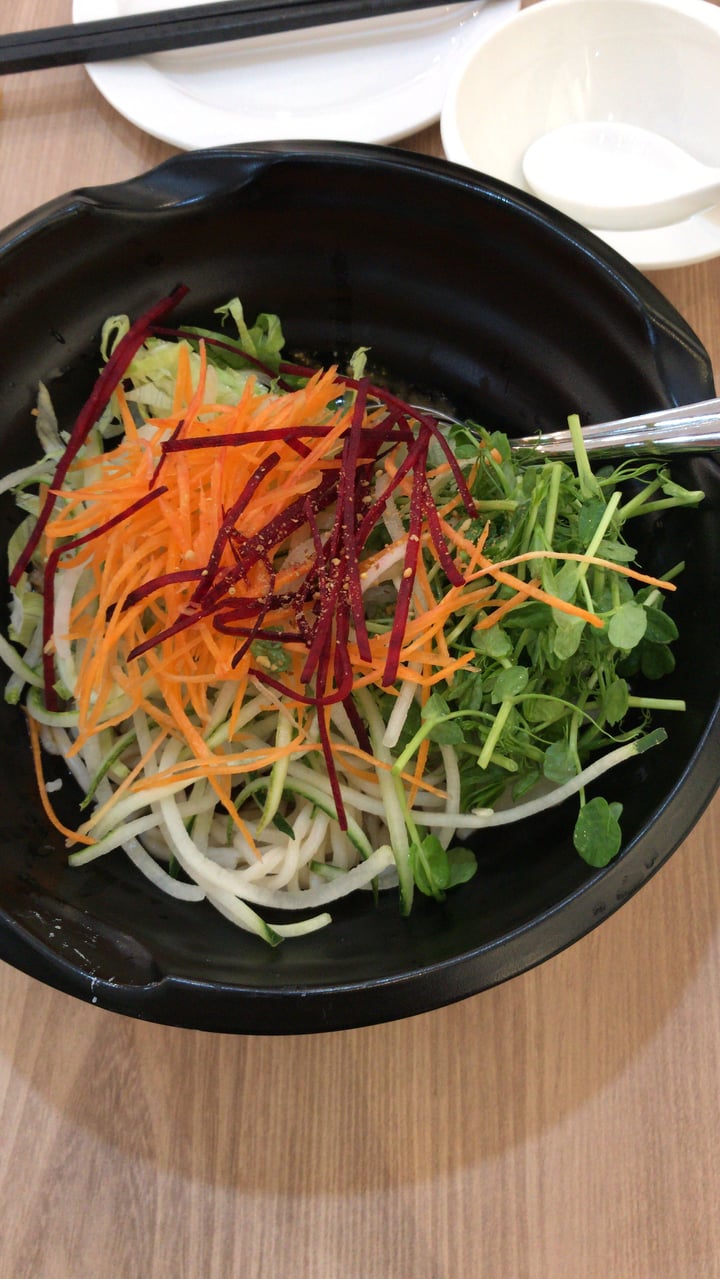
(276, 531)
(289, 434)
(140, 593)
(348, 519)
(161, 460)
(229, 521)
(238, 624)
(96, 402)
(342, 666)
(232, 439)
(452, 572)
(180, 624)
(264, 633)
(418, 415)
(328, 606)
(294, 694)
(455, 467)
(375, 511)
(358, 725)
(324, 729)
(242, 607)
(426, 419)
(311, 518)
(407, 581)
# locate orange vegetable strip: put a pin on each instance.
(593, 560)
(124, 785)
(500, 610)
(73, 836)
(446, 670)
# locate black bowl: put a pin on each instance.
(460, 285)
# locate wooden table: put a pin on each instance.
(563, 1125)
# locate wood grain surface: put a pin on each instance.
(562, 1126)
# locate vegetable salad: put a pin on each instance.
(296, 639)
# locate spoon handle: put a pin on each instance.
(694, 428)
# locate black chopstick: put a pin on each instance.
(198, 24)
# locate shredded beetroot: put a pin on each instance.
(229, 440)
(435, 529)
(229, 521)
(412, 551)
(347, 499)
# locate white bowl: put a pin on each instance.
(654, 63)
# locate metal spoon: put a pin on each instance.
(694, 428)
(616, 176)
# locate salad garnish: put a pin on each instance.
(295, 639)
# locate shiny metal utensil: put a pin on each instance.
(693, 428)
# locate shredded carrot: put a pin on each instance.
(72, 836)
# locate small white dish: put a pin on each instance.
(652, 63)
(374, 80)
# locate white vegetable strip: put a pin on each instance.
(67, 582)
(399, 713)
(213, 878)
(452, 783)
(153, 871)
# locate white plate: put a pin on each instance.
(375, 80)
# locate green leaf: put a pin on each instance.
(589, 517)
(436, 870)
(559, 763)
(435, 707)
(597, 836)
(656, 660)
(533, 617)
(447, 732)
(619, 552)
(493, 642)
(509, 683)
(544, 710)
(661, 629)
(627, 626)
(615, 591)
(525, 783)
(463, 865)
(469, 691)
(465, 443)
(615, 701)
(565, 582)
(358, 362)
(430, 867)
(568, 634)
